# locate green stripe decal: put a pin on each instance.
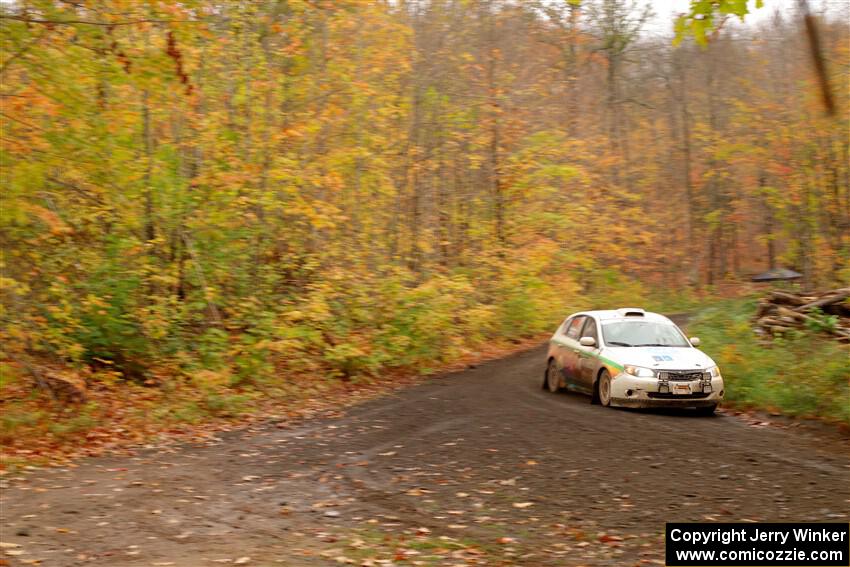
(610, 362)
(607, 361)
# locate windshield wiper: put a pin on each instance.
(618, 343)
(656, 344)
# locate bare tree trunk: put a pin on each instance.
(495, 132)
(686, 176)
(613, 118)
(768, 224)
(571, 72)
(150, 231)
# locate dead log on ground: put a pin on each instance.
(829, 312)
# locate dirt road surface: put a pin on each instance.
(476, 467)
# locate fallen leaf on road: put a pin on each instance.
(523, 504)
(242, 561)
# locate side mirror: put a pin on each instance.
(695, 341)
(587, 341)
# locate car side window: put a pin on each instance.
(590, 329)
(575, 327)
(565, 326)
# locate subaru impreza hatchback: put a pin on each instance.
(632, 358)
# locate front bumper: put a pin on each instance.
(635, 392)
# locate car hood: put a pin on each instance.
(660, 358)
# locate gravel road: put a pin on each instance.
(475, 467)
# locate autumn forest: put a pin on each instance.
(215, 196)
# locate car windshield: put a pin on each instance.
(642, 333)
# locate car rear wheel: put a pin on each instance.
(604, 388)
(553, 380)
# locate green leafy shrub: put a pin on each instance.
(803, 373)
(71, 427)
(13, 419)
(251, 360)
(211, 348)
(821, 322)
(224, 405)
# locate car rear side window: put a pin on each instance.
(590, 329)
(575, 327)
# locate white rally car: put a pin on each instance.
(632, 358)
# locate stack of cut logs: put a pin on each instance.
(780, 311)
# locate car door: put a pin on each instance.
(568, 351)
(587, 361)
(556, 345)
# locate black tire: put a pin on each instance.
(594, 397)
(603, 389)
(707, 410)
(552, 382)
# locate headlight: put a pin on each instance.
(713, 372)
(639, 371)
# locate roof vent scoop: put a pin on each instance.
(631, 312)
